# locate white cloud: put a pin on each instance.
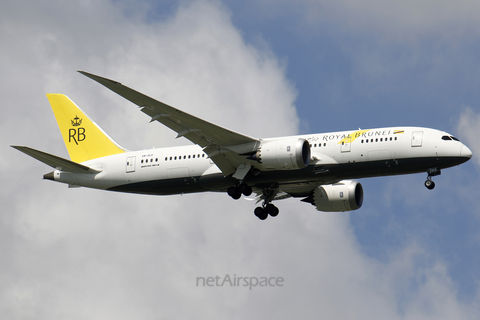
(469, 129)
(87, 254)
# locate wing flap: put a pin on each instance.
(54, 161)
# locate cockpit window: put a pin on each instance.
(449, 138)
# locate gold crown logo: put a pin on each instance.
(76, 123)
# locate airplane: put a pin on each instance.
(317, 168)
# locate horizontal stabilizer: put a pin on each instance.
(54, 161)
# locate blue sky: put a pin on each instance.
(426, 81)
(281, 67)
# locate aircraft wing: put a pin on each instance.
(228, 149)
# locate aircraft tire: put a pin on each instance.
(234, 193)
(429, 184)
(272, 210)
(245, 189)
(261, 213)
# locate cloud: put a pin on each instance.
(406, 20)
(89, 254)
(469, 129)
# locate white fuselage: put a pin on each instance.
(334, 156)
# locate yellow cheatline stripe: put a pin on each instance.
(353, 136)
(398, 131)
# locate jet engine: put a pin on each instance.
(284, 154)
(345, 195)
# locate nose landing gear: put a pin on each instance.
(429, 183)
(431, 173)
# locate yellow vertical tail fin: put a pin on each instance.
(84, 139)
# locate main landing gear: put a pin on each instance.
(267, 208)
(268, 194)
(236, 192)
(431, 173)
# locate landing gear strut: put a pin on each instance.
(431, 173)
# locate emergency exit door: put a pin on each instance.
(130, 164)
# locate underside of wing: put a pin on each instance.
(228, 149)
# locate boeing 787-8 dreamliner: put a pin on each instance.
(316, 168)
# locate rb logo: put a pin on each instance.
(77, 135)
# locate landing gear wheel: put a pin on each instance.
(267, 207)
(245, 189)
(271, 210)
(432, 172)
(429, 184)
(234, 192)
(261, 213)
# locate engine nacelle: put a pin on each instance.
(284, 154)
(345, 195)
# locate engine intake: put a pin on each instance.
(345, 195)
(284, 154)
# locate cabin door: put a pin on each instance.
(130, 164)
(417, 137)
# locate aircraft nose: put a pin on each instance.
(465, 152)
